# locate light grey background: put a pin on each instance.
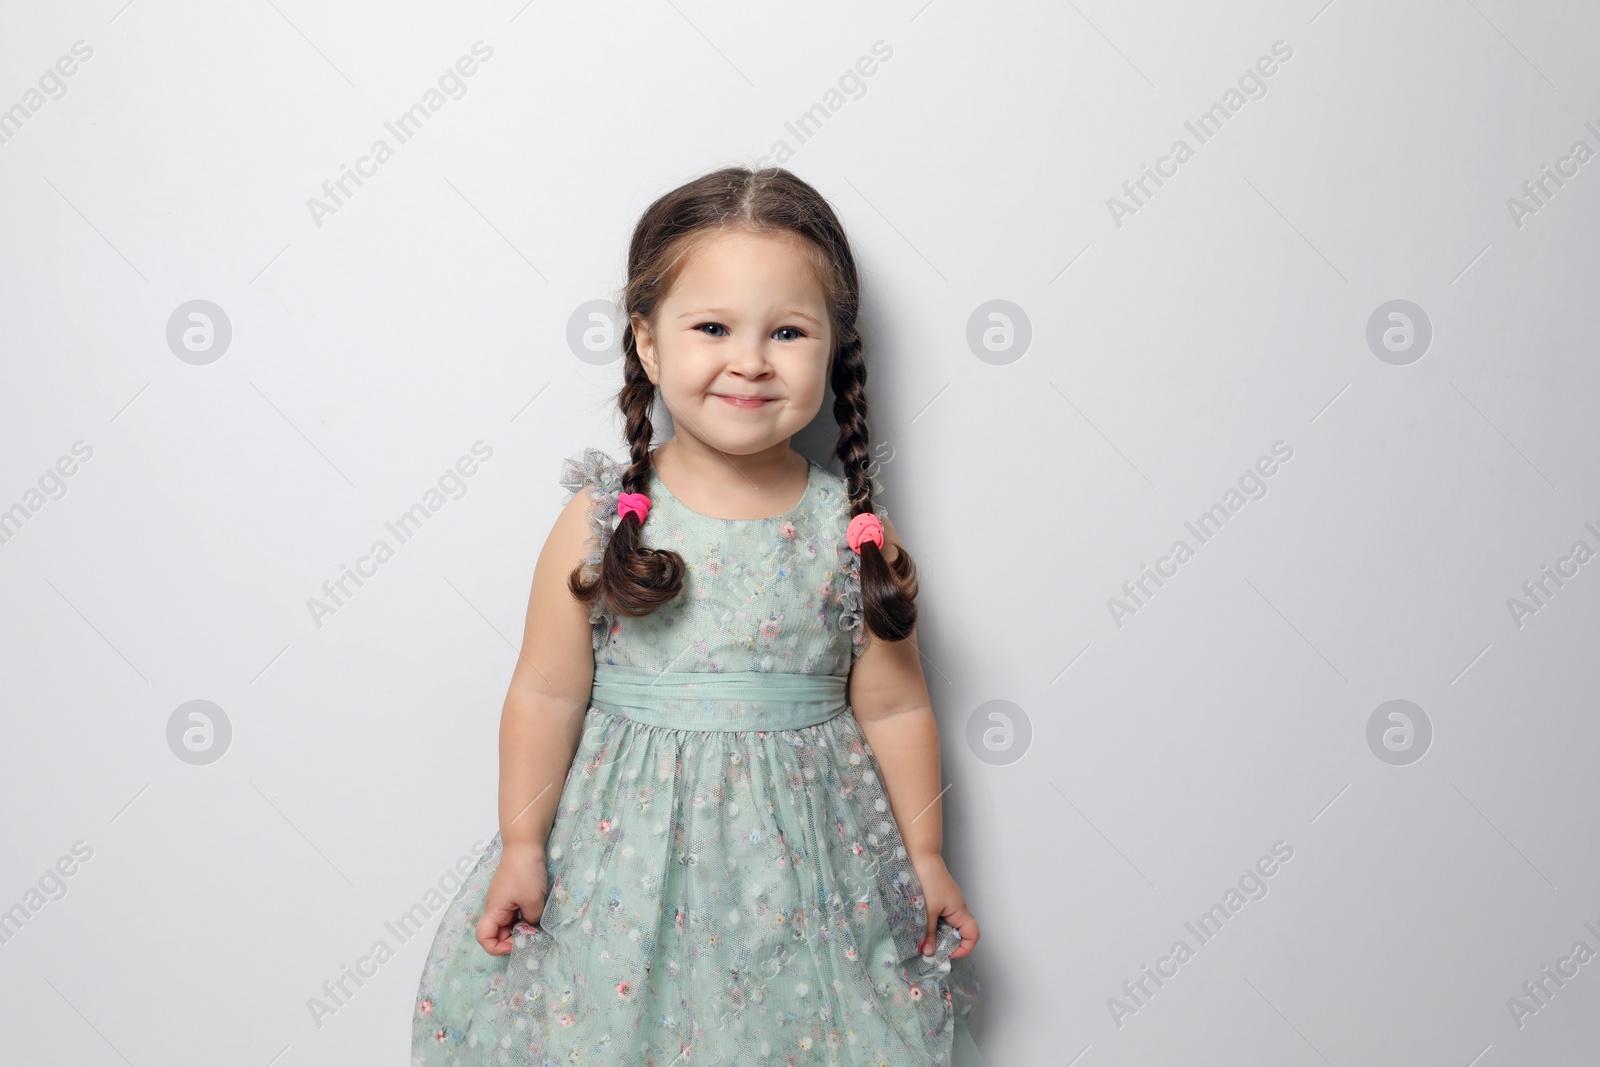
(1151, 758)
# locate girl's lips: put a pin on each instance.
(741, 402)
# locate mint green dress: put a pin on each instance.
(728, 884)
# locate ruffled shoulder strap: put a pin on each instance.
(597, 470)
(594, 467)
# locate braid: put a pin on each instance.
(634, 579)
(888, 590)
(636, 398)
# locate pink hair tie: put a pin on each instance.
(864, 527)
(637, 503)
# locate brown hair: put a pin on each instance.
(634, 579)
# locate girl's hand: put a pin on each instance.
(944, 898)
(520, 882)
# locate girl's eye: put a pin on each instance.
(718, 326)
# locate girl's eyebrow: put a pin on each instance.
(724, 311)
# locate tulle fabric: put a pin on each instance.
(742, 895)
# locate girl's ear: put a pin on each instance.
(646, 347)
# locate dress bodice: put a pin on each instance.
(779, 594)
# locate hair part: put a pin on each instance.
(635, 580)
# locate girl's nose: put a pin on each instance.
(750, 360)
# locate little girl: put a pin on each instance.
(720, 822)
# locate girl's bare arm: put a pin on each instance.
(542, 720)
(890, 699)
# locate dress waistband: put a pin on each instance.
(732, 700)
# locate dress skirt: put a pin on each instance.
(727, 886)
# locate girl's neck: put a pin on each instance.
(761, 483)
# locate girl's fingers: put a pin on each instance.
(494, 929)
(962, 920)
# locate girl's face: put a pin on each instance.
(742, 345)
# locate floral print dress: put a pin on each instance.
(728, 884)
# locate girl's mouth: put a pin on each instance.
(744, 402)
